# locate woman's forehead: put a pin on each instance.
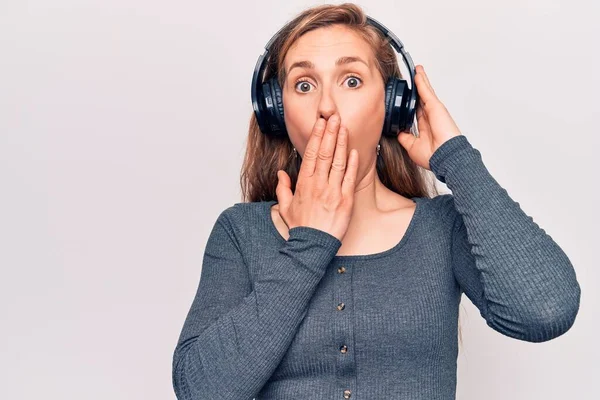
(322, 47)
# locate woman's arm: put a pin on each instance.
(237, 331)
(521, 281)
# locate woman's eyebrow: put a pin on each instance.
(340, 61)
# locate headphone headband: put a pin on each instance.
(400, 100)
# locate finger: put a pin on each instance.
(422, 122)
(309, 159)
(422, 71)
(283, 191)
(349, 182)
(426, 95)
(407, 140)
(420, 113)
(338, 167)
(325, 153)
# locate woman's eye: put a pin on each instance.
(305, 85)
(353, 79)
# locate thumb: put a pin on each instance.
(284, 189)
(406, 139)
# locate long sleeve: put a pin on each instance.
(237, 331)
(521, 281)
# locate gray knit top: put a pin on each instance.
(277, 319)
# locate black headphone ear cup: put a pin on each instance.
(397, 98)
(389, 94)
(272, 116)
(404, 121)
(277, 112)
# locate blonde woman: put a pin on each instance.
(340, 275)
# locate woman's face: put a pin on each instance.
(352, 89)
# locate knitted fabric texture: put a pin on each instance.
(276, 319)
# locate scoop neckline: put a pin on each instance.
(356, 257)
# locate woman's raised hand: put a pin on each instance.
(324, 192)
(435, 124)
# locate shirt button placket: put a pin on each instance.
(344, 330)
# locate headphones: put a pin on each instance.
(400, 100)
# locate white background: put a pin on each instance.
(122, 131)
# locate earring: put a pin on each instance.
(295, 153)
(378, 148)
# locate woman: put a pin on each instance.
(342, 274)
